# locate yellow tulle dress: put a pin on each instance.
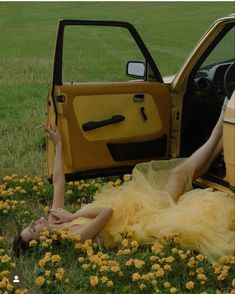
(203, 219)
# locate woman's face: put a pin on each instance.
(32, 232)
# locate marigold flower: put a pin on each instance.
(9, 287)
(40, 281)
(81, 259)
(153, 258)
(4, 273)
(200, 257)
(47, 273)
(169, 259)
(189, 285)
(129, 262)
(5, 258)
(138, 263)
(55, 258)
(33, 243)
(136, 277)
(166, 285)
(46, 209)
(125, 242)
(142, 286)
(200, 270)
(173, 290)
(202, 277)
(233, 283)
(160, 273)
(2, 284)
(167, 267)
(109, 283)
(94, 281)
(85, 266)
(104, 279)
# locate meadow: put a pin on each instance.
(27, 32)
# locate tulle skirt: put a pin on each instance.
(203, 219)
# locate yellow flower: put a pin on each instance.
(48, 282)
(110, 283)
(126, 251)
(104, 279)
(200, 270)
(155, 266)
(169, 259)
(167, 285)
(136, 277)
(55, 258)
(142, 286)
(85, 266)
(167, 267)
(4, 273)
(189, 285)
(160, 273)
(33, 243)
(94, 281)
(5, 258)
(40, 281)
(202, 277)
(2, 284)
(46, 209)
(81, 259)
(126, 177)
(200, 257)
(138, 263)
(47, 273)
(9, 287)
(153, 258)
(233, 283)
(129, 262)
(125, 242)
(173, 290)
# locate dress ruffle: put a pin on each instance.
(203, 219)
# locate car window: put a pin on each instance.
(97, 54)
(224, 51)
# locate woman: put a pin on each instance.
(158, 201)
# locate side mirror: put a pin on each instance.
(135, 69)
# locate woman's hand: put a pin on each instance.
(62, 215)
(53, 133)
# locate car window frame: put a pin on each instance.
(58, 58)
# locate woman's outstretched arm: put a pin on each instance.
(99, 218)
(197, 163)
(58, 171)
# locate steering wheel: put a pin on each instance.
(229, 80)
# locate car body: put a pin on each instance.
(108, 125)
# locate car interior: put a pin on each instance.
(212, 79)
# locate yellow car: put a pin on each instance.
(114, 109)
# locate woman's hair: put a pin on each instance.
(20, 246)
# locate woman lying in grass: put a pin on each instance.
(158, 201)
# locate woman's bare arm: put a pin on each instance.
(100, 218)
(58, 171)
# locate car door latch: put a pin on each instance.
(138, 98)
(61, 98)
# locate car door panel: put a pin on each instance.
(141, 136)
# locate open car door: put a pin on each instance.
(107, 98)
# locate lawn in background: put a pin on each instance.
(27, 33)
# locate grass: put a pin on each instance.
(27, 33)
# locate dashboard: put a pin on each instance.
(216, 80)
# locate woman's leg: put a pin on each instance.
(197, 163)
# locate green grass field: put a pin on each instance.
(27, 34)
(28, 31)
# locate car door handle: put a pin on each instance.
(91, 125)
